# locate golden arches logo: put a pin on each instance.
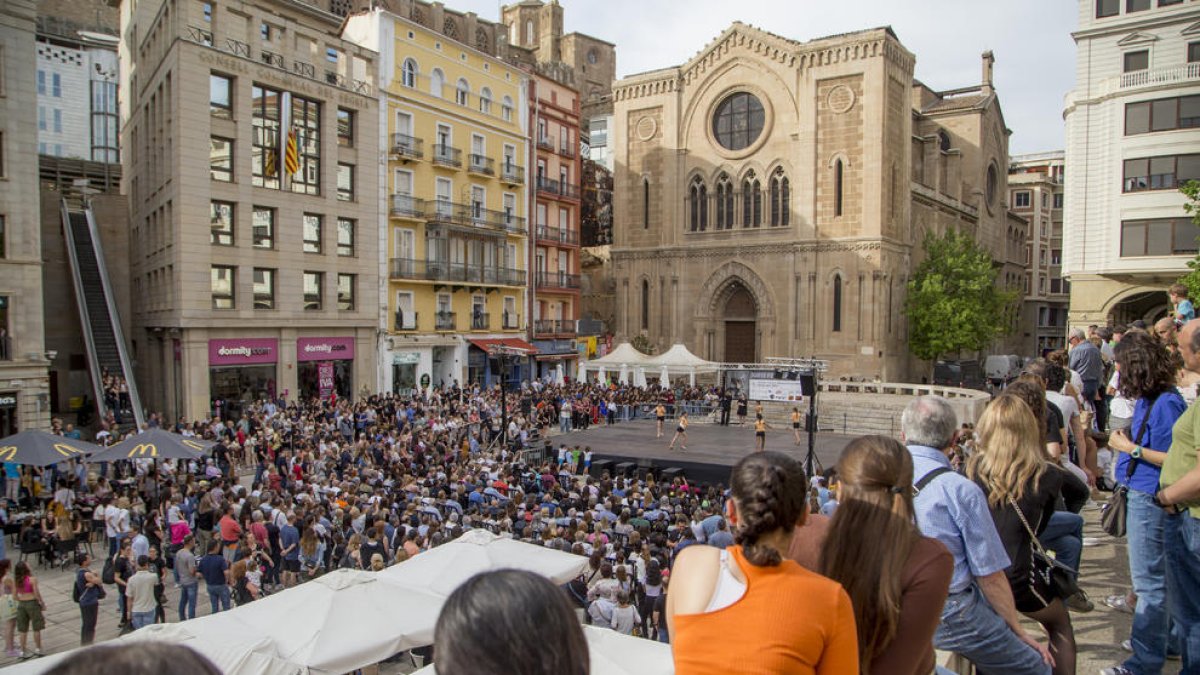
(193, 445)
(8, 453)
(143, 449)
(66, 450)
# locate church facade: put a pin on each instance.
(772, 196)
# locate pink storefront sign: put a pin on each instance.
(325, 349)
(242, 351)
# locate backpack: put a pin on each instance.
(75, 590)
(109, 574)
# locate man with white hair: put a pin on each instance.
(1086, 360)
(980, 619)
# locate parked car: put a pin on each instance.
(967, 374)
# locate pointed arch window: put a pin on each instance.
(780, 199)
(838, 173)
(837, 303)
(751, 202)
(724, 202)
(408, 73)
(698, 203)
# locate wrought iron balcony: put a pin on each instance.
(557, 235)
(557, 280)
(423, 270)
(546, 143)
(304, 69)
(447, 155)
(200, 35)
(567, 150)
(480, 320)
(473, 215)
(407, 206)
(554, 327)
(237, 47)
(547, 185)
(404, 145)
(511, 173)
(405, 320)
(270, 58)
(446, 321)
(481, 164)
(510, 320)
(568, 190)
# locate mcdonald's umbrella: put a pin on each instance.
(154, 444)
(39, 448)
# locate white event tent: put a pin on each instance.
(633, 365)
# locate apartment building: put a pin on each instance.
(1035, 192)
(256, 275)
(1133, 137)
(455, 124)
(555, 296)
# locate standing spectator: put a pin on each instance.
(1180, 497)
(289, 542)
(123, 570)
(231, 533)
(215, 570)
(8, 608)
(189, 579)
(979, 619)
(1009, 464)
(30, 607)
(1181, 306)
(1147, 376)
(89, 590)
(625, 616)
(746, 608)
(1085, 359)
(140, 594)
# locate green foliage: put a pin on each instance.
(1192, 279)
(642, 343)
(953, 303)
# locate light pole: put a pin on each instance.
(502, 353)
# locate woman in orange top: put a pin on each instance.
(747, 609)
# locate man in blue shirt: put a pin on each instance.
(980, 619)
(289, 548)
(215, 570)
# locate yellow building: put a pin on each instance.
(455, 126)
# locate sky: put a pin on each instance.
(1031, 40)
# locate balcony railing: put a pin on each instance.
(407, 206)
(200, 35)
(445, 321)
(511, 173)
(557, 280)
(554, 327)
(447, 155)
(423, 270)
(304, 69)
(242, 49)
(557, 235)
(404, 145)
(473, 215)
(568, 190)
(559, 188)
(567, 150)
(481, 164)
(237, 47)
(405, 321)
(1141, 78)
(510, 320)
(480, 320)
(547, 185)
(335, 78)
(546, 143)
(271, 58)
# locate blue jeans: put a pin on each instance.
(970, 627)
(1183, 579)
(142, 619)
(564, 424)
(1064, 536)
(219, 594)
(1148, 570)
(188, 595)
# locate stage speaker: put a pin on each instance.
(808, 384)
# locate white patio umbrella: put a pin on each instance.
(623, 378)
(639, 377)
(692, 377)
(664, 378)
(337, 623)
(601, 375)
(581, 373)
(441, 570)
(559, 376)
(613, 653)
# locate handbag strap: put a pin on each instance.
(1037, 545)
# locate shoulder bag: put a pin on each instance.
(1113, 514)
(1062, 581)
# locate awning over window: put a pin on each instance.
(487, 344)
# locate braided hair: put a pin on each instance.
(769, 490)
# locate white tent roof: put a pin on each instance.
(616, 654)
(678, 360)
(624, 353)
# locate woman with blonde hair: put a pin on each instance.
(1009, 464)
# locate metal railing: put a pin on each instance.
(545, 143)
(510, 320)
(557, 235)
(200, 35)
(406, 206)
(304, 69)
(475, 216)
(480, 320)
(445, 321)
(511, 173)
(481, 164)
(447, 155)
(237, 47)
(547, 185)
(424, 270)
(405, 321)
(557, 280)
(408, 146)
(271, 58)
(567, 150)
(554, 327)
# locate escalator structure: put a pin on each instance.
(107, 351)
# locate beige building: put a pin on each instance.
(258, 274)
(24, 382)
(771, 196)
(1035, 191)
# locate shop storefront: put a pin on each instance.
(404, 372)
(555, 354)
(325, 367)
(241, 371)
(485, 366)
(8, 413)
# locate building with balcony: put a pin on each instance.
(1035, 192)
(454, 121)
(554, 301)
(257, 275)
(1133, 137)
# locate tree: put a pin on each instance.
(642, 343)
(953, 303)
(1191, 190)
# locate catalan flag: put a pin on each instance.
(291, 155)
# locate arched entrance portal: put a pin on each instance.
(741, 325)
(1149, 307)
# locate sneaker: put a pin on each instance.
(1080, 603)
(14, 652)
(1117, 670)
(1118, 603)
(37, 653)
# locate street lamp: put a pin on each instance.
(503, 353)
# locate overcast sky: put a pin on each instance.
(1031, 39)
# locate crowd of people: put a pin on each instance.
(944, 538)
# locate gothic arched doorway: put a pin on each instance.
(741, 323)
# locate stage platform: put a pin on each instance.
(712, 449)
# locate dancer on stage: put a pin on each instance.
(660, 414)
(796, 424)
(680, 430)
(760, 433)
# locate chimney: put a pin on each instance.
(988, 62)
